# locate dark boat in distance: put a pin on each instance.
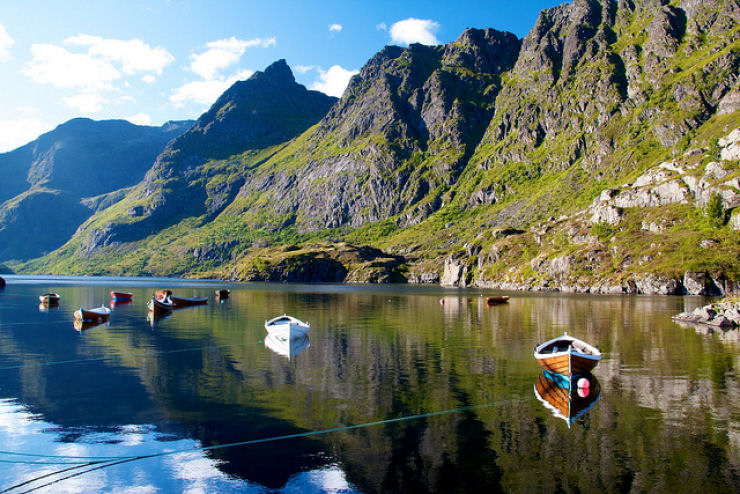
(50, 298)
(503, 299)
(567, 355)
(160, 306)
(179, 302)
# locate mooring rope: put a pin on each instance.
(106, 461)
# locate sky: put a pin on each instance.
(157, 60)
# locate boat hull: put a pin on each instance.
(497, 300)
(121, 296)
(287, 327)
(178, 302)
(93, 315)
(567, 355)
(158, 306)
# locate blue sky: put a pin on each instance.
(158, 60)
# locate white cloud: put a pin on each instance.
(149, 79)
(302, 69)
(335, 27)
(381, 27)
(5, 43)
(86, 102)
(140, 119)
(223, 53)
(16, 133)
(133, 55)
(61, 68)
(333, 81)
(205, 92)
(413, 30)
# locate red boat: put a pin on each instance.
(121, 296)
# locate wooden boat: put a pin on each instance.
(285, 346)
(179, 302)
(121, 296)
(567, 355)
(223, 293)
(160, 306)
(287, 326)
(50, 298)
(567, 398)
(99, 315)
(503, 299)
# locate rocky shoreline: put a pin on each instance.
(722, 314)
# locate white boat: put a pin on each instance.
(287, 347)
(287, 326)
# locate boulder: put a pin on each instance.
(699, 284)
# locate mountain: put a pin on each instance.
(582, 157)
(54, 183)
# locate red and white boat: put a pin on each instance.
(101, 314)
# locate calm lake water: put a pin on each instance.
(394, 392)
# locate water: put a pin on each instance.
(394, 392)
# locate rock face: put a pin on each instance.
(193, 177)
(724, 314)
(46, 183)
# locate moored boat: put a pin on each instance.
(101, 314)
(178, 302)
(121, 296)
(567, 398)
(159, 306)
(287, 326)
(50, 298)
(503, 299)
(567, 355)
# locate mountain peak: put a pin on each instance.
(279, 70)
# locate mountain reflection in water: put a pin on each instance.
(206, 377)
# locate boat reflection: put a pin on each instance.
(81, 325)
(155, 317)
(285, 346)
(566, 398)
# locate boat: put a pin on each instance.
(285, 346)
(49, 298)
(287, 326)
(223, 293)
(160, 306)
(179, 302)
(121, 296)
(2, 282)
(567, 355)
(101, 314)
(567, 398)
(503, 299)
